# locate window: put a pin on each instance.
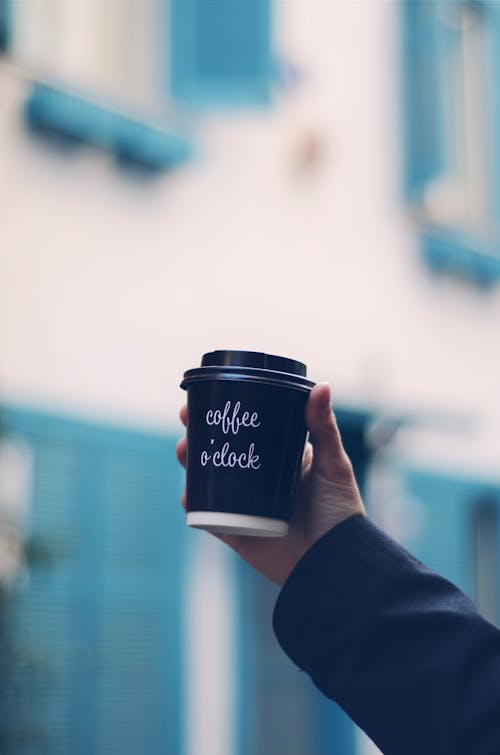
(94, 636)
(451, 52)
(458, 532)
(486, 532)
(120, 76)
(221, 51)
(281, 710)
(4, 25)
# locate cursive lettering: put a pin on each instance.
(226, 458)
(231, 421)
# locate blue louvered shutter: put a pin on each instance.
(444, 541)
(43, 643)
(139, 674)
(221, 51)
(4, 24)
(96, 627)
(424, 39)
(280, 710)
(451, 530)
(492, 11)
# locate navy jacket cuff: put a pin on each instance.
(332, 583)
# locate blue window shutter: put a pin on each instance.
(272, 694)
(39, 681)
(448, 518)
(221, 52)
(492, 10)
(4, 24)
(75, 121)
(424, 38)
(462, 253)
(140, 643)
(97, 626)
(444, 541)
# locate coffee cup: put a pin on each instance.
(246, 432)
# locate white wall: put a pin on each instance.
(110, 288)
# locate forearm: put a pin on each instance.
(402, 650)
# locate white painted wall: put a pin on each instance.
(110, 288)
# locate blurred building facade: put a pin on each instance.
(316, 180)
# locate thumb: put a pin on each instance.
(320, 420)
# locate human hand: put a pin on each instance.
(327, 495)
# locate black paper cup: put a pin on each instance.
(246, 432)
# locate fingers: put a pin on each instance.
(181, 451)
(183, 415)
(320, 420)
(319, 416)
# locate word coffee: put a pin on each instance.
(232, 422)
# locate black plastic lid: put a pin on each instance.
(227, 358)
(249, 365)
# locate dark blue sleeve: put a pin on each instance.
(403, 651)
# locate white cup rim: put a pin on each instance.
(237, 524)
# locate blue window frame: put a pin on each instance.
(4, 25)
(422, 96)
(280, 708)
(96, 667)
(75, 121)
(451, 60)
(212, 53)
(457, 532)
(221, 51)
